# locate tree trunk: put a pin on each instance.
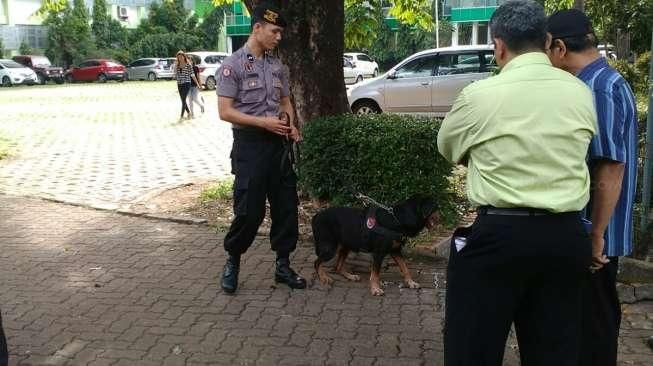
(311, 47)
(579, 4)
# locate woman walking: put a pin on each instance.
(183, 74)
(194, 96)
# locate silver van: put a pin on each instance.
(150, 69)
(427, 82)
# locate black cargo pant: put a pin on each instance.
(526, 270)
(601, 317)
(262, 173)
(4, 355)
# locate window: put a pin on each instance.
(346, 62)
(416, 68)
(213, 59)
(364, 58)
(459, 63)
(489, 62)
(148, 62)
(85, 64)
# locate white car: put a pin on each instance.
(13, 73)
(427, 82)
(208, 62)
(352, 75)
(363, 63)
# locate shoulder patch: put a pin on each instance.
(226, 71)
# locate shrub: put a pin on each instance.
(387, 157)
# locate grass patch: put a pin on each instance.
(222, 190)
(6, 146)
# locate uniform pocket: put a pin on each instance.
(241, 188)
(252, 91)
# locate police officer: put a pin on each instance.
(252, 92)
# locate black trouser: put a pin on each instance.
(522, 269)
(601, 317)
(256, 160)
(184, 89)
(4, 354)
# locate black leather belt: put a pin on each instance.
(516, 211)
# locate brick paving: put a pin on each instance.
(107, 145)
(87, 287)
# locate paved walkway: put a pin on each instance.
(107, 145)
(87, 287)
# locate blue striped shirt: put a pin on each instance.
(616, 140)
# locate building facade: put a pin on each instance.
(470, 20)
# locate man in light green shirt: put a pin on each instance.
(524, 135)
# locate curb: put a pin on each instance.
(113, 208)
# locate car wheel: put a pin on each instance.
(151, 76)
(210, 83)
(6, 82)
(376, 73)
(365, 107)
(359, 78)
(102, 78)
(41, 79)
(59, 80)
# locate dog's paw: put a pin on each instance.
(412, 284)
(376, 291)
(326, 280)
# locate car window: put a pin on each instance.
(364, 58)
(95, 63)
(148, 62)
(489, 61)
(346, 62)
(212, 59)
(196, 59)
(419, 67)
(348, 57)
(136, 63)
(459, 63)
(40, 61)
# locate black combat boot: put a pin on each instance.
(230, 274)
(285, 274)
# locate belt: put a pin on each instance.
(517, 211)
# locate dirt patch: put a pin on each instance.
(184, 201)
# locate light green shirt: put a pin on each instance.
(525, 135)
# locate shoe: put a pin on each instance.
(285, 274)
(229, 280)
(202, 108)
(191, 116)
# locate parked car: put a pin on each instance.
(208, 63)
(607, 51)
(150, 69)
(352, 75)
(363, 63)
(13, 73)
(42, 67)
(100, 70)
(427, 82)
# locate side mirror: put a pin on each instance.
(392, 75)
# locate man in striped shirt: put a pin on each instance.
(612, 160)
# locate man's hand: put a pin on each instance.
(294, 134)
(275, 125)
(598, 258)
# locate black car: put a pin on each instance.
(42, 67)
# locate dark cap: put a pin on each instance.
(268, 13)
(569, 23)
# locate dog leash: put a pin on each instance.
(369, 200)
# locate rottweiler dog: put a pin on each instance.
(339, 230)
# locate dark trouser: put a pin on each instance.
(184, 89)
(4, 354)
(522, 269)
(601, 317)
(256, 160)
